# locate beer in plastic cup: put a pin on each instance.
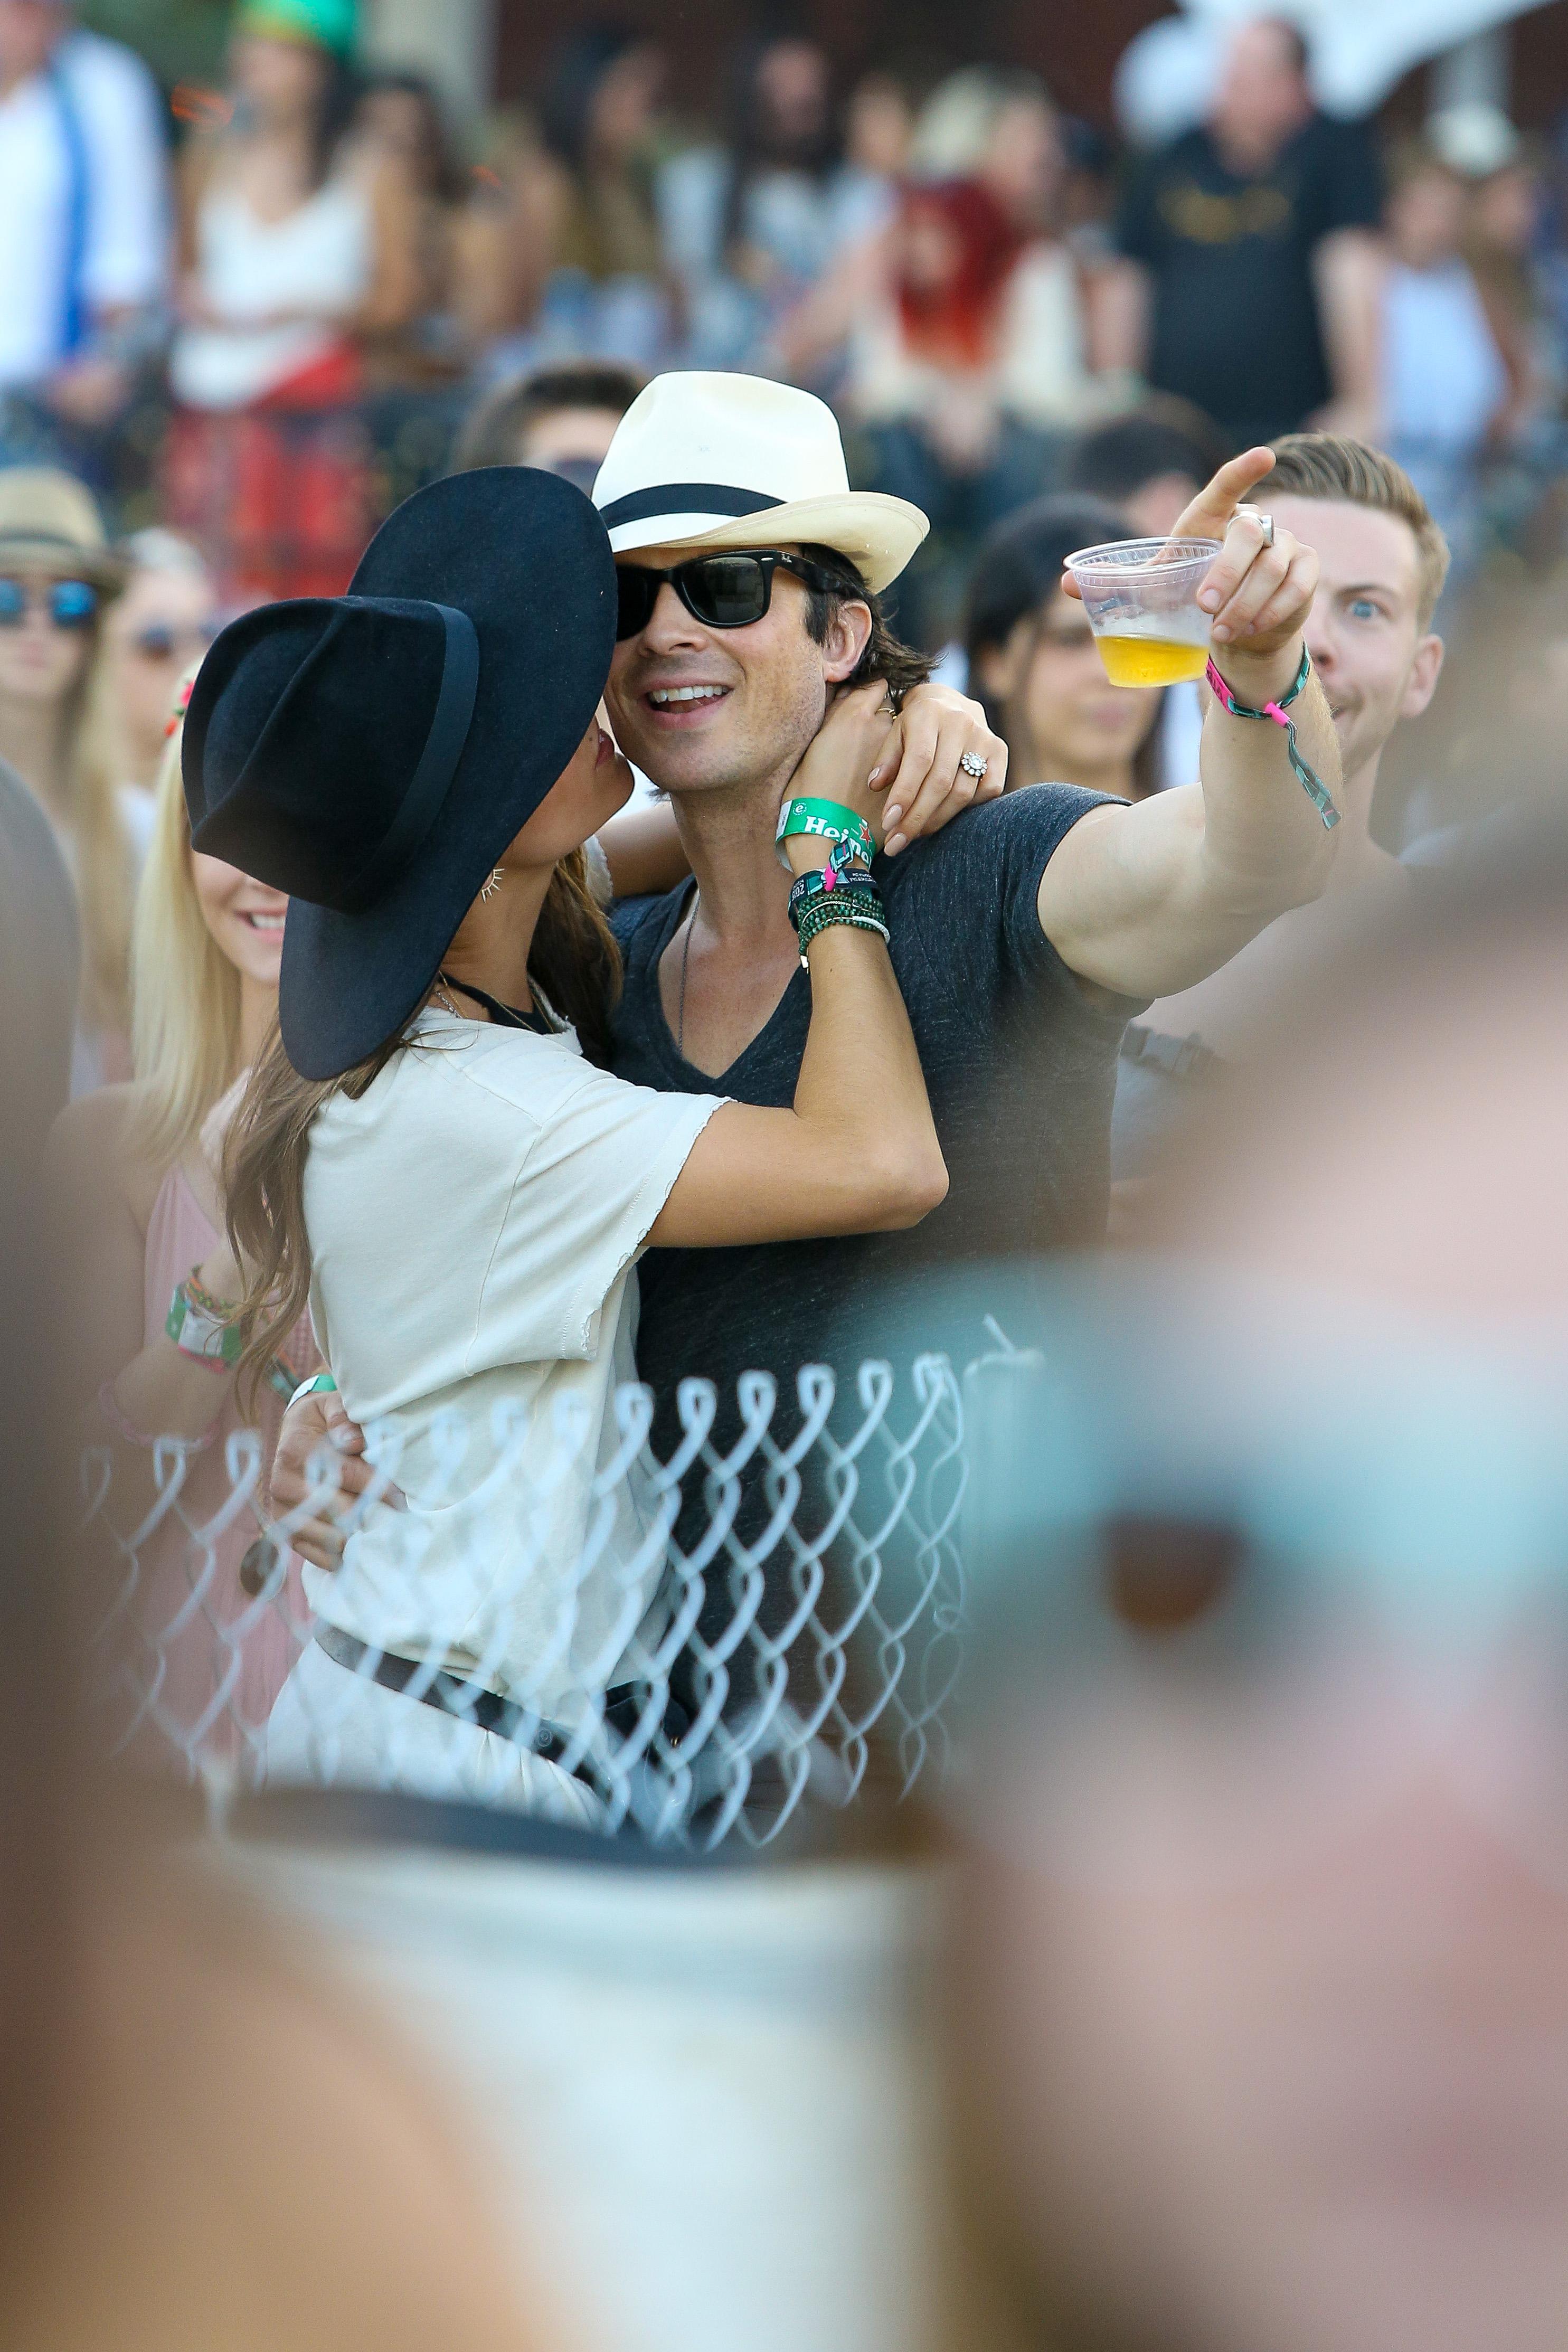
(1141, 598)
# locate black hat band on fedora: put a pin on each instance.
(686, 498)
(432, 778)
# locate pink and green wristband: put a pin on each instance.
(1311, 783)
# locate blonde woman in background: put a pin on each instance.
(135, 1184)
(58, 729)
(163, 623)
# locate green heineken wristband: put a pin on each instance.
(829, 820)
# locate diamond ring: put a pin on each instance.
(973, 765)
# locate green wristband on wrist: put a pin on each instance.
(829, 820)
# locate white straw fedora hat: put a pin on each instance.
(705, 460)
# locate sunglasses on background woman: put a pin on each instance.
(67, 604)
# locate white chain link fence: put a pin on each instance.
(800, 1644)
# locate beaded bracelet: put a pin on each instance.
(824, 913)
(109, 1406)
(841, 918)
(810, 889)
(220, 1309)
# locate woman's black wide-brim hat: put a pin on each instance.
(373, 754)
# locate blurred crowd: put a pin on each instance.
(235, 333)
(1248, 1978)
(266, 328)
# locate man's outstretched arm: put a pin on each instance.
(1148, 900)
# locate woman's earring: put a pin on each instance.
(487, 889)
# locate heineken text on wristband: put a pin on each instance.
(830, 820)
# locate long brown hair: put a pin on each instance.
(578, 967)
(574, 956)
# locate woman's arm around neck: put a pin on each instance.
(857, 1152)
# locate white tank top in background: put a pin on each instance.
(1443, 375)
(1039, 371)
(1044, 361)
(317, 258)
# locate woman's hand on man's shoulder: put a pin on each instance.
(922, 780)
(903, 771)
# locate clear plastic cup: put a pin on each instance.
(1141, 598)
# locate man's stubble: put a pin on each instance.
(739, 778)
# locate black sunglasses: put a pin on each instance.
(722, 592)
(69, 604)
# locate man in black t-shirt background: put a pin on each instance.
(1248, 283)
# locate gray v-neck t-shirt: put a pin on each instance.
(1020, 1060)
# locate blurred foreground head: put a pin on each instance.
(1264, 1942)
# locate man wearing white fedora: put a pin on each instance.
(1024, 935)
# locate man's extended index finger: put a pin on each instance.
(1213, 507)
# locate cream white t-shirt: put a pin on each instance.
(474, 1219)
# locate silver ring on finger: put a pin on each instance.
(1266, 523)
(973, 765)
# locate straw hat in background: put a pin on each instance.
(49, 523)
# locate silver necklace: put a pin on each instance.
(685, 964)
